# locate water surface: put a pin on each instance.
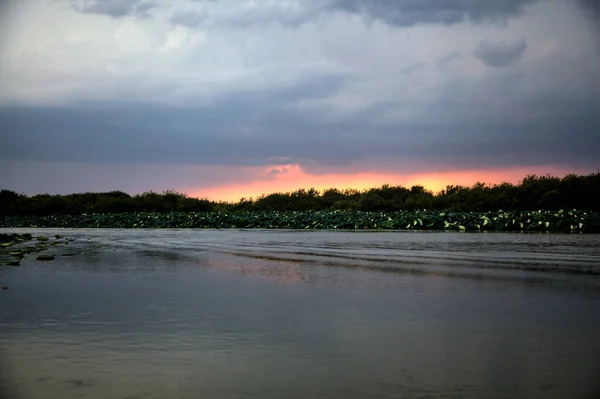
(295, 314)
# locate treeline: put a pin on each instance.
(532, 193)
(13, 204)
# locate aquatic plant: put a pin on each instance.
(541, 221)
(14, 247)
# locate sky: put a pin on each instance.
(224, 99)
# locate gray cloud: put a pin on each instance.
(448, 58)
(402, 13)
(413, 67)
(411, 12)
(116, 8)
(260, 14)
(501, 53)
(486, 124)
(189, 19)
(593, 6)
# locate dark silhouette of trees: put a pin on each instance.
(532, 193)
(12, 203)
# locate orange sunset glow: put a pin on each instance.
(292, 177)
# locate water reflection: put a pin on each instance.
(188, 314)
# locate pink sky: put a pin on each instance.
(286, 178)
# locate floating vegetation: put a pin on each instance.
(14, 247)
(574, 221)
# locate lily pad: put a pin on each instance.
(45, 257)
(9, 261)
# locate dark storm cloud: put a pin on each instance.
(592, 5)
(500, 53)
(243, 128)
(213, 137)
(116, 8)
(411, 12)
(593, 12)
(253, 128)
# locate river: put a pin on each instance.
(152, 314)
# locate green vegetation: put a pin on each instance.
(570, 204)
(13, 247)
(563, 221)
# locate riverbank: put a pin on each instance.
(567, 221)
